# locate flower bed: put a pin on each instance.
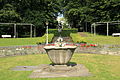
(72, 44)
(58, 44)
(87, 45)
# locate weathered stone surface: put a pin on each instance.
(49, 71)
(60, 55)
(21, 50)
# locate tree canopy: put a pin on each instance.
(29, 11)
(36, 12)
(77, 12)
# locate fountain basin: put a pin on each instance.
(60, 55)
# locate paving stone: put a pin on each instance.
(50, 71)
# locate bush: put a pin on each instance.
(77, 38)
(65, 32)
(43, 38)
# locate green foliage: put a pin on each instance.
(106, 10)
(8, 14)
(36, 12)
(78, 12)
(43, 38)
(64, 33)
(77, 38)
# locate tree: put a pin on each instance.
(80, 12)
(8, 14)
(36, 12)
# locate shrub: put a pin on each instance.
(77, 38)
(65, 32)
(43, 38)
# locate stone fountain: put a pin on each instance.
(60, 55)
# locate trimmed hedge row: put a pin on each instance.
(64, 33)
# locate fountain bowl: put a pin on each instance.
(60, 55)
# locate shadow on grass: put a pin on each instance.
(68, 64)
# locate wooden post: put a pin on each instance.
(91, 28)
(47, 35)
(14, 30)
(94, 29)
(107, 29)
(34, 31)
(31, 30)
(86, 26)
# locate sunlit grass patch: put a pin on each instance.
(24, 41)
(103, 67)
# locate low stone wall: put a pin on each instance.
(98, 50)
(38, 49)
(21, 50)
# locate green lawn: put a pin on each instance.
(104, 40)
(103, 67)
(100, 39)
(24, 41)
(18, 41)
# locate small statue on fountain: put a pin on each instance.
(60, 28)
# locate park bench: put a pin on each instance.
(116, 34)
(6, 36)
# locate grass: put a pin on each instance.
(97, 39)
(104, 40)
(24, 41)
(103, 67)
(100, 39)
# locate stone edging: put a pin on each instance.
(38, 49)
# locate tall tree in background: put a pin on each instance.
(106, 10)
(9, 14)
(83, 11)
(77, 12)
(36, 12)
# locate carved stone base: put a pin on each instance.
(47, 71)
